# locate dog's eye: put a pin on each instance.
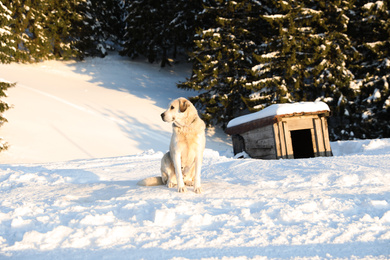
(172, 107)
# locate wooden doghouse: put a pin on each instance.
(295, 130)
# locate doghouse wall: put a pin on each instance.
(259, 143)
(318, 130)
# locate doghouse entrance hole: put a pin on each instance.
(302, 143)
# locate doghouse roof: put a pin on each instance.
(273, 113)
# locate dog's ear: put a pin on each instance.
(184, 104)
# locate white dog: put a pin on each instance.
(182, 164)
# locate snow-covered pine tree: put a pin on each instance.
(331, 72)
(222, 55)
(156, 29)
(305, 57)
(30, 27)
(184, 23)
(146, 25)
(370, 31)
(3, 107)
(140, 32)
(101, 27)
(62, 27)
(44, 28)
(7, 54)
(36, 42)
(7, 41)
(19, 25)
(278, 74)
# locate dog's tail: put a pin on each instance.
(151, 181)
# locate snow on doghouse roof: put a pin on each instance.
(281, 109)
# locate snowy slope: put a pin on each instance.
(91, 109)
(73, 204)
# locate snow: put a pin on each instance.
(281, 109)
(275, 16)
(5, 12)
(270, 55)
(375, 96)
(369, 6)
(57, 202)
(92, 109)
(4, 31)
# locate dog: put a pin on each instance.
(182, 165)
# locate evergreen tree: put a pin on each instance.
(222, 55)
(185, 21)
(18, 26)
(45, 28)
(7, 42)
(62, 27)
(35, 41)
(156, 29)
(307, 57)
(371, 35)
(3, 107)
(295, 51)
(7, 54)
(279, 71)
(332, 74)
(29, 29)
(101, 27)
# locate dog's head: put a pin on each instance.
(179, 111)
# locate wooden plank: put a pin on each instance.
(319, 136)
(299, 123)
(259, 134)
(260, 143)
(269, 157)
(282, 141)
(265, 143)
(287, 138)
(326, 136)
(277, 140)
(314, 142)
(261, 153)
(319, 113)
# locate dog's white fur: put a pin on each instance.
(182, 164)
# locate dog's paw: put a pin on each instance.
(182, 189)
(198, 190)
(188, 183)
(170, 185)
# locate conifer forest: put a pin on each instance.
(246, 54)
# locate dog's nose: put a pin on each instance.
(162, 116)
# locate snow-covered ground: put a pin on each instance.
(83, 134)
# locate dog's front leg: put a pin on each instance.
(198, 168)
(179, 175)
